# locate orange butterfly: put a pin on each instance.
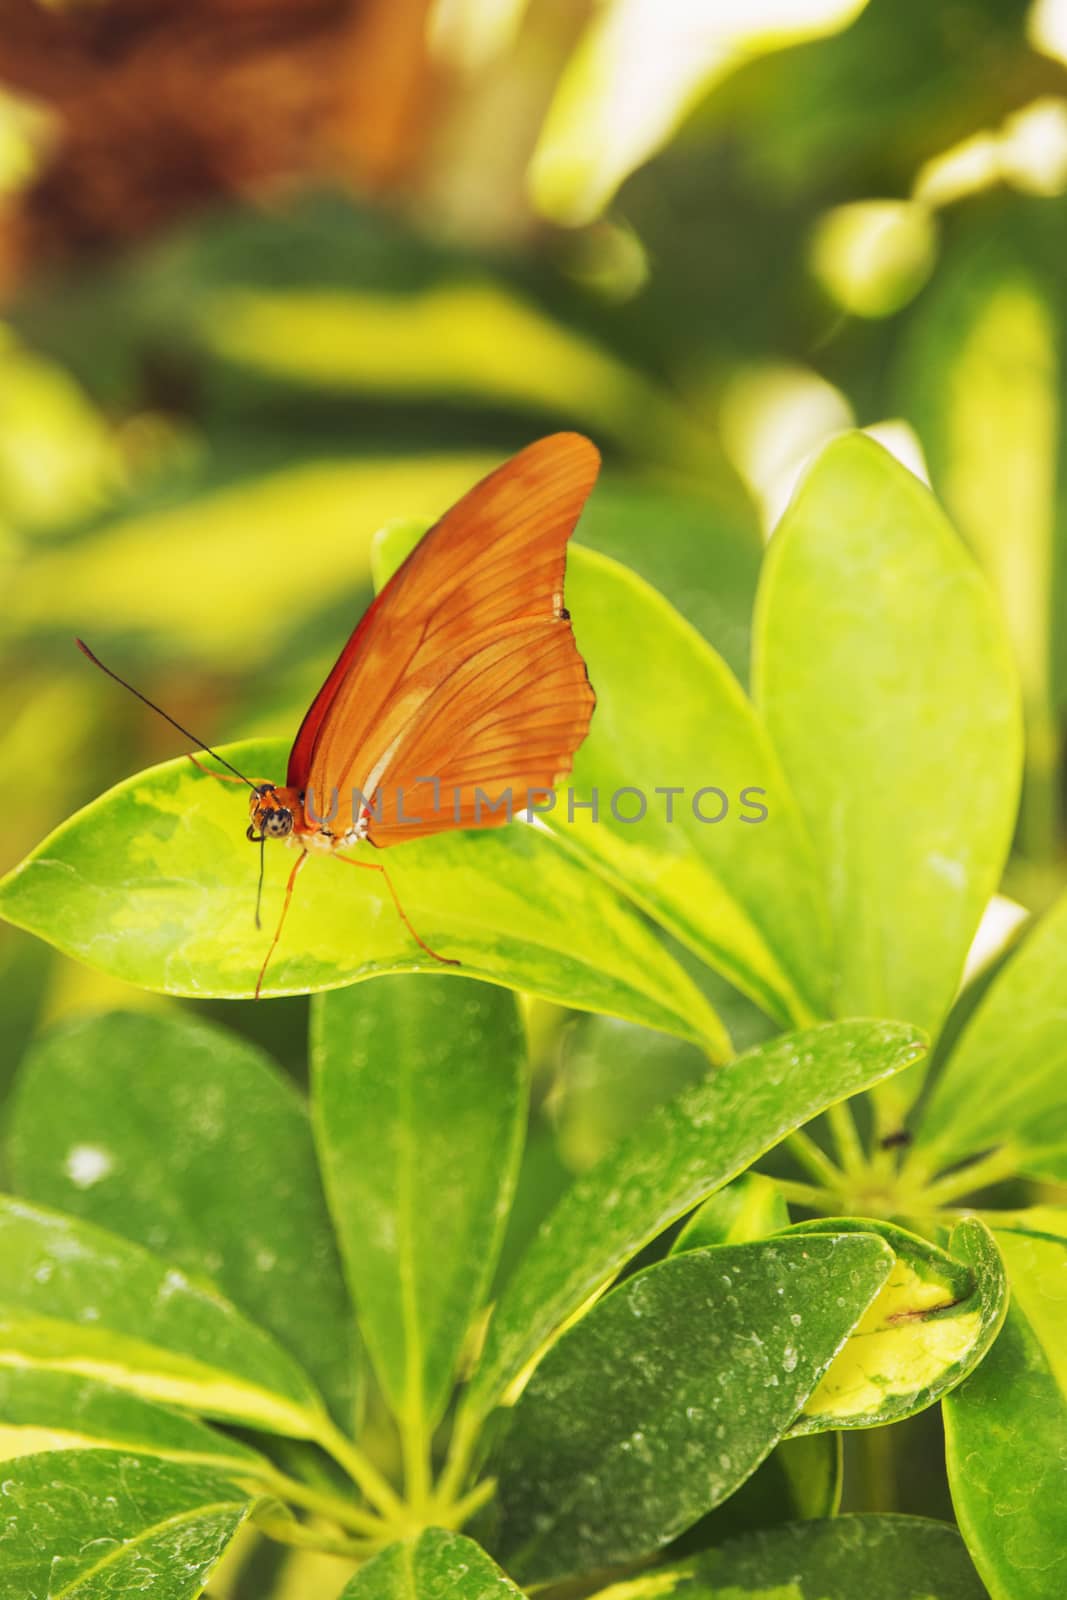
(461, 687)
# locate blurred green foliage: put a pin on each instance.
(860, 217)
(200, 434)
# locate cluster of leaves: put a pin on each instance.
(188, 1244)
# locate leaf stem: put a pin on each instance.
(846, 1138)
(462, 1510)
(981, 1174)
(361, 1470)
(813, 1159)
(877, 1481)
(460, 1451)
(305, 1538)
(322, 1502)
(417, 1471)
(807, 1194)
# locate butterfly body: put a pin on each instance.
(279, 812)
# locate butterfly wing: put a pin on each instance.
(465, 669)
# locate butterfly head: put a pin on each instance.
(272, 812)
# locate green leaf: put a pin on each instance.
(611, 1075)
(155, 883)
(685, 1151)
(742, 893)
(78, 1300)
(931, 1324)
(633, 79)
(1003, 1082)
(669, 1393)
(189, 1141)
(90, 1524)
(396, 341)
(42, 1409)
(122, 575)
(1005, 1429)
(799, 1481)
(1049, 1221)
(888, 687)
(705, 558)
(878, 1557)
(982, 378)
(749, 1208)
(419, 1094)
(435, 1566)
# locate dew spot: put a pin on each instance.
(86, 1164)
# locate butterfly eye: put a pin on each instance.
(276, 824)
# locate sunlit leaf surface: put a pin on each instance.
(886, 680)
(1003, 1082)
(749, 1208)
(45, 1409)
(156, 883)
(636, 73)
(982, 376)
(240, 578)
(676, 795)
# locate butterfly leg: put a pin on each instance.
(301, 858)
(374, 866)
(224, 776)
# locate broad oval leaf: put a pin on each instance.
(982, 380)
(669, 1393)
(437, 1565)
(189, 1141)
(43, 1409)
(155, 883)
(1003, 1082)
(419, 1089)
(743, 893)
(878, 1557)
(749, 1208)
(1005, 1427)
(932, 1322)
(889, 690)
(82, 1524)
(76, 1299)
(684, 1152)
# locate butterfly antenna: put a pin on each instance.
(84, 648)
(259, 885)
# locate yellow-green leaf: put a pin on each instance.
(155, 883)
